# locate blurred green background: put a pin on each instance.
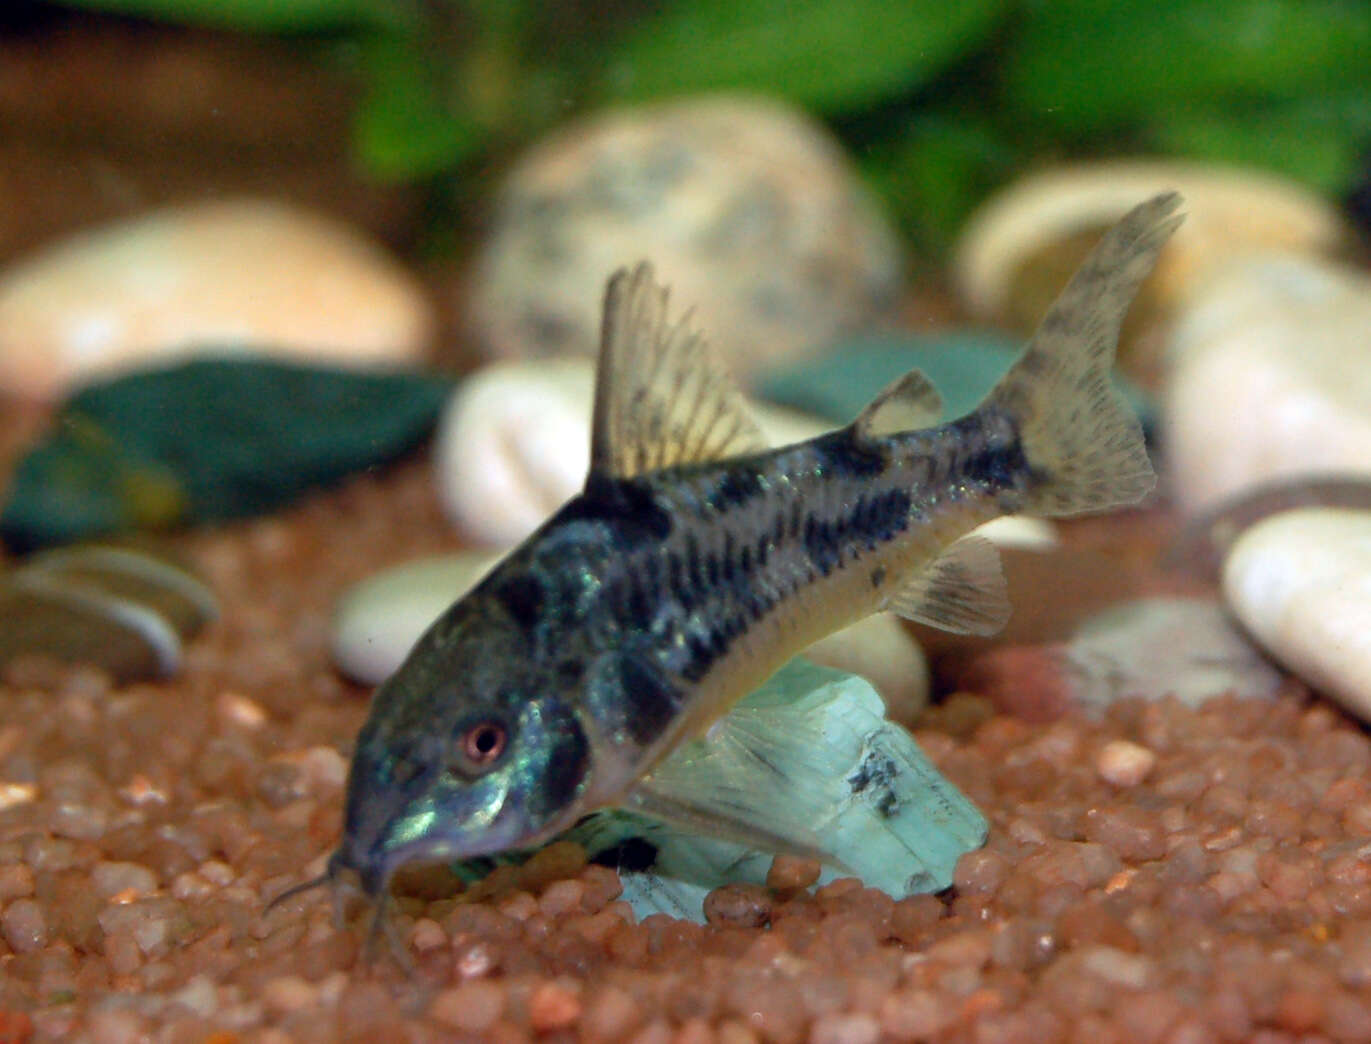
(940, 102)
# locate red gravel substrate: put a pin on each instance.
(1218, 890)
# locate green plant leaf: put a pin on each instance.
(263, 16)
(829, 56)
(1320, 141)
(1081, 65)
(408, 124)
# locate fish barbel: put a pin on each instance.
(696, 562)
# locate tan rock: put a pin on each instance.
(231, 274)
(748, 208)
(1229, 213)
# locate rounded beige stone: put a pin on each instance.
(1301, 583)
(1229, 213)
(226, 274)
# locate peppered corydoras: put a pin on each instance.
(696, 561)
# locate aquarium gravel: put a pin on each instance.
(1160, 873)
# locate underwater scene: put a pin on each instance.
(685, 521)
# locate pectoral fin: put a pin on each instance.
(660, 399)
(962, 591)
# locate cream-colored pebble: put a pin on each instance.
(1300, 582)
(238, 274)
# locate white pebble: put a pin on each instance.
(1124, 763)
(1301, 583)
(1269, 379)
(24, 926)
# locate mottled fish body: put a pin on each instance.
(696, 562)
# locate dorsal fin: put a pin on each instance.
(660, 400)
(905, 404)
(962, 591)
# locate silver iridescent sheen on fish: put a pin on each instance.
(697, 561)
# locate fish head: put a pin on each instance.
(483, 755)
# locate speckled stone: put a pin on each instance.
(748, 208)
(250, 273)
(1269, 379)
(1300, 582)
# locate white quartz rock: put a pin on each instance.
(1270, 378)
(1301, 583)
(378, 621)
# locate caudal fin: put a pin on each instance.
(1081, 439)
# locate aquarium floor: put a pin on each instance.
(1227, 896)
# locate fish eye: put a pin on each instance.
(479, 746)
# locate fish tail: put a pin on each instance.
(1084, 445)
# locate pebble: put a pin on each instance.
(1300, 582)
(1124, 763)
(126, 611)
(1269, 379)
(377, 622)
(235, 274)
(748, 208)
(1157, 647)
(1019, 249)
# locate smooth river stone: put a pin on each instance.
(247, 273)
(1230, 213)
(1300, 582)
(122, 609)
(749, 208)
(1269, 379)
(378, 621)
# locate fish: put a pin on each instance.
(697, 561)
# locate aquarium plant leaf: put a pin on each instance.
(263, 16)
(828, 56)
(213, 438)
(409, 124)
(1080, 65)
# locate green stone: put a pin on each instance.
(963, 365)
(809, 761)
(209, 439)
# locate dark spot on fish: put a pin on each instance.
(522, 597)
(763, 550)
(564, 766)
(797, 517)
(821, 545)
(639, 605)
(570, 671)
(712, 570)
(652, 700)
(878, 576)
(627, 508)
(745, 561)
(692, 561)
(735, 487)
(840, 455)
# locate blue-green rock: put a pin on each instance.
(806, 764)
(964, 365)
(214, 438)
